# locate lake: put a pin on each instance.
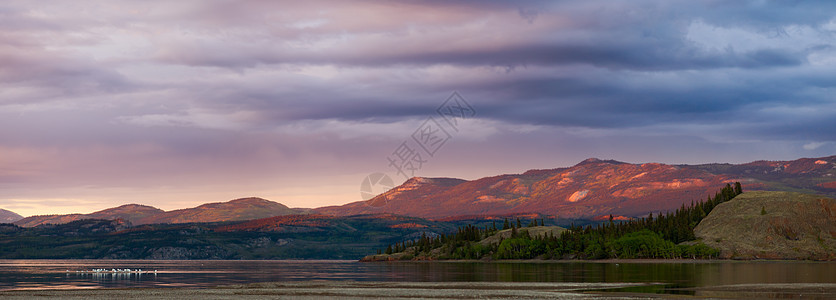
(777, 279)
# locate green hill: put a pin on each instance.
(772, 225)
(480, 247)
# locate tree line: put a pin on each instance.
(659, 236)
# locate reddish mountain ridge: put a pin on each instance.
(235, 210)
(590, 189)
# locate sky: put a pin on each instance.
(178, 103)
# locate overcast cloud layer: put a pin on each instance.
(177, 103)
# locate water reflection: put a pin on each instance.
(690, 274)
(678, 277)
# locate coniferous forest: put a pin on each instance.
(668, 235)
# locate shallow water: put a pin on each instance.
(721, 278)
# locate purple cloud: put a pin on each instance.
(177, 103)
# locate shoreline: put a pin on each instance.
(437, 290)
(357, 290)
(614, 260)
(603, 261)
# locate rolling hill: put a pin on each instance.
(7, 216)
(130, 212)
(235, 210)
(772, 225)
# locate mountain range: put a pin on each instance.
(593, 188)
(235, 210)
(589, 190)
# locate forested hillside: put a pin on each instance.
(661, 236)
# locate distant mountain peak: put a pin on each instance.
(417, 180)
(132, 206)
(542, 172)
(595, 160)
(136, 205)
(250, 200)
(7, 216)
(442, 181)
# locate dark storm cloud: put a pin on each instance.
(622, 42)
(619, 37)
(642, 34)
(602, 102)
(763, 15)
(225, 93)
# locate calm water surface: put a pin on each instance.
(678, 277)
